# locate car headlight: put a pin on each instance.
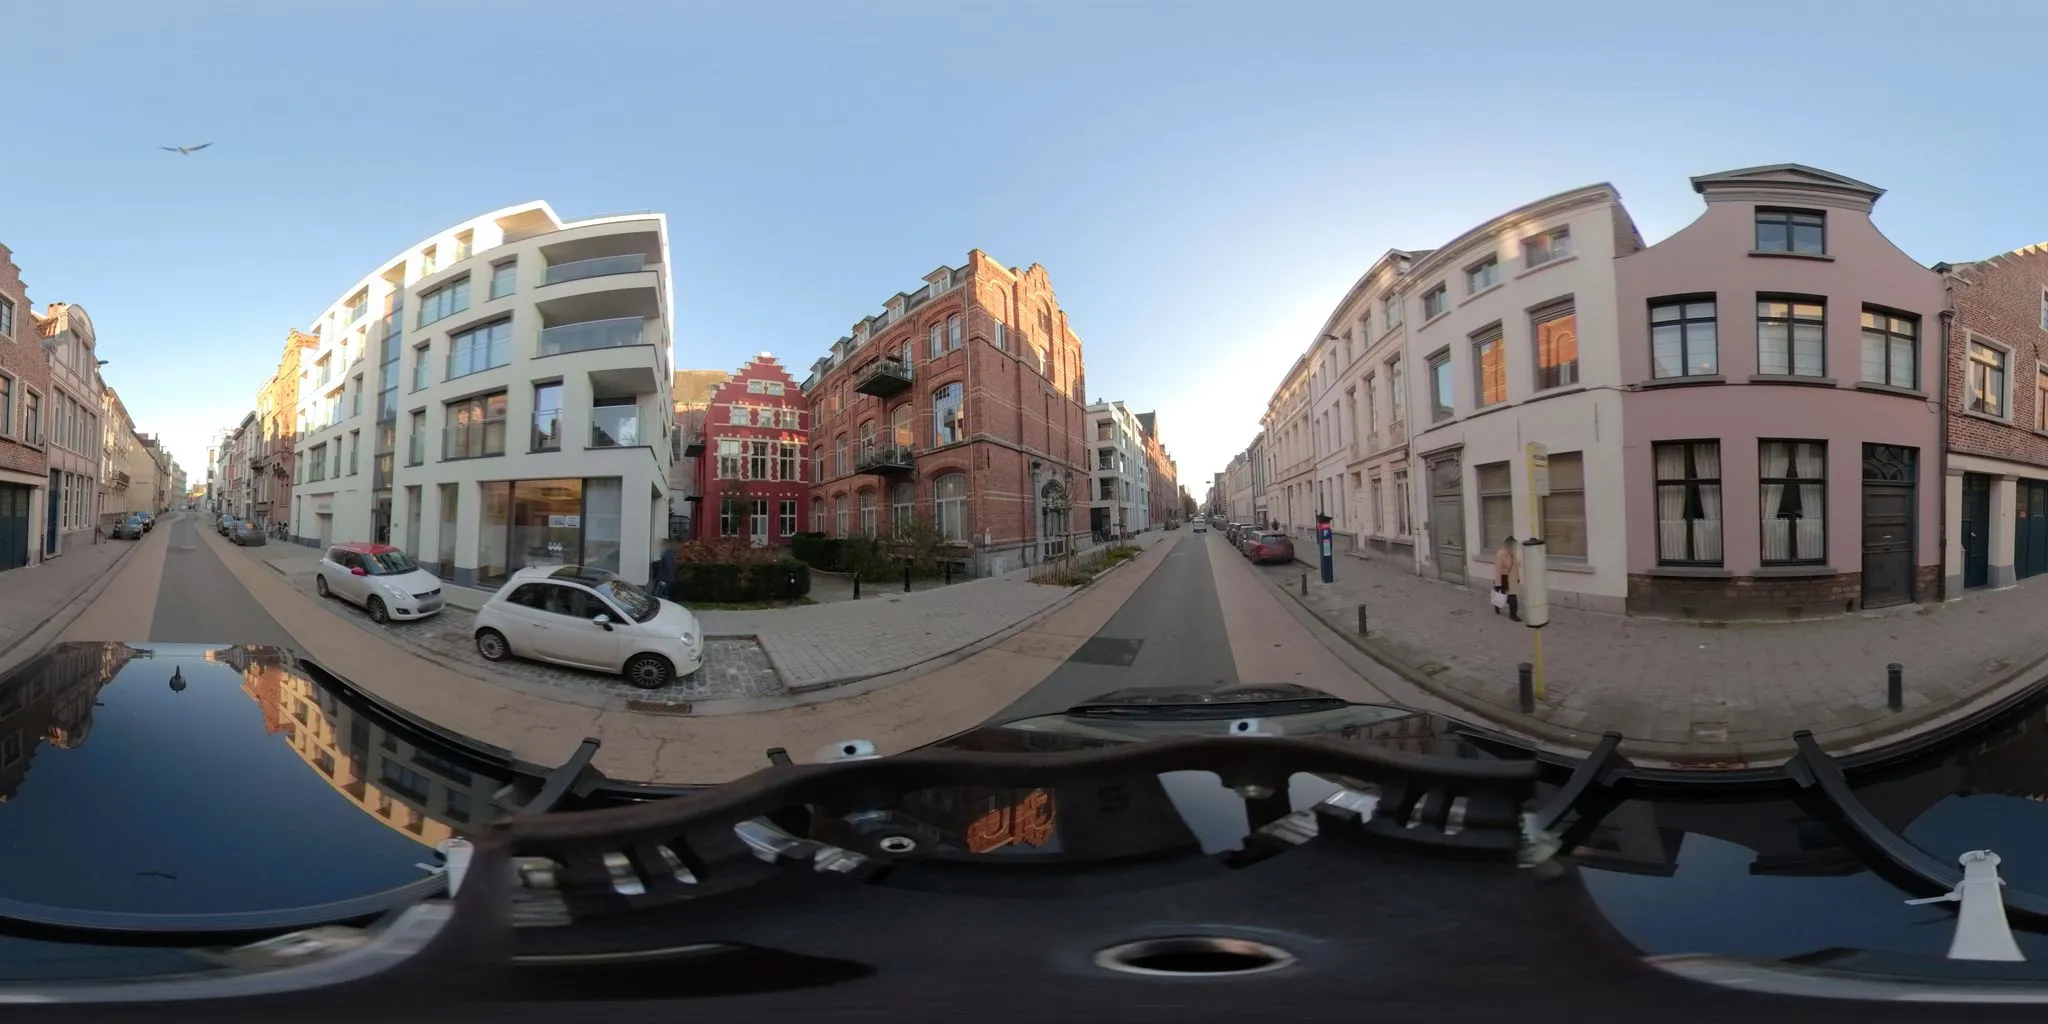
(689, 639)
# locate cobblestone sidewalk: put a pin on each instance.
(1684, 690)
(33, 595)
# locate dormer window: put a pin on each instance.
(1798, 231)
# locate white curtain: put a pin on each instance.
(1777, 458)
(1671, 546)
(1706, 533)
(1811, 461)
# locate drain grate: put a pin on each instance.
(657, 707)
(1103, 650)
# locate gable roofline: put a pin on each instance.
(1822, 180)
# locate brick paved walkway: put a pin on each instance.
(1688, 690)
(35, 594)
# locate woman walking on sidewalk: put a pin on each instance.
(1507, 579)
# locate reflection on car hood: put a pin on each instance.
(1146, 814)
(191, 778)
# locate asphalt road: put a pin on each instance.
(1170, 633)
(199, 601)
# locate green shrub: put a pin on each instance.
(816, 550)
(728, 583)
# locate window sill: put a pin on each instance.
(472, 458)
(2004, 421)
(1698, 572)
(1429, 322)
(1891, 389)
(1794, 571)
(1556, 392)
(1572, 565)
(1481, 293)
(1541, 267)
(1818, 257)
(1794, 379)
(1681, 382)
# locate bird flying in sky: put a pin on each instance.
(185, 150)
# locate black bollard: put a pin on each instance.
(949, 572)
(856, 586)
(1361, 621)
(1304, 584)
(906, 577)
(1895, 685)
(1525, 682)
(792, 586)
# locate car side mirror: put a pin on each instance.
(358, 570)
(604, 620)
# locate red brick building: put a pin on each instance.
(751, 477)
(1997, 409)
(959, 406)
(24, 391)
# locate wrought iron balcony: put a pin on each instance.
(883, 378)
(693, 444)
(885, 460)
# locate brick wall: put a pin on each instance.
(1999, 300)
(1761, 597)
(21, 358)
(1017, 413)
(718, 426)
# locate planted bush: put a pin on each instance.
(732, 571)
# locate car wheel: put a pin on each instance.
(377, 613)
(649, 671)
(320, 585)
(491, 645)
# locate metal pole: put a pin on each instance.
(1362, 631)
(1525, 685)
(1895, 686)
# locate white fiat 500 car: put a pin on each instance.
(590, 618)
(385, 581)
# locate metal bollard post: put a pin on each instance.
(949, 572)
(1525, 682)
(1362, 631)
(792, 586)
(856, 585)
(1304, 584)
(906, 576)
(1895, 686)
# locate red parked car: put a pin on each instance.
(1268, 546)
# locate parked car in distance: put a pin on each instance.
(1269, 546)
(385, 581)
(590, 618)
(130, 528)
(226, 526)
(249, 535)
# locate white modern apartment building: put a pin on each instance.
(496, 397)
(1512, 327)
(1119, 485)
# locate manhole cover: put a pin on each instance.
(656, 707)
(1104, 650)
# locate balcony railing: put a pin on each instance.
(618, 332)
(884, 377)
(614, 426)
(693, 444)
(885, 459)
(603, 266)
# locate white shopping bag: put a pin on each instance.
(1500, 599)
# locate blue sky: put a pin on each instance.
(1202, 180)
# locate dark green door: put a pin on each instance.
(14, 522)
(2030, 529)
(1976, 527)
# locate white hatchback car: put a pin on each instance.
(590, 618)
(385, 581)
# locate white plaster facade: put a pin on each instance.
(1290, 452)
(511, 349)
(1512, 339)
(1369, 466)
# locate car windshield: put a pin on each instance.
(632, 600)
(388, 563)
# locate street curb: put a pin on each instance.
(69, 612)
(606, 702)
(1573, 741)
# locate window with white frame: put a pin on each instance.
(7, 316)
(817, 515)
(949, 507)
(839, 515)
(1490, 367)
(1442, 393)
(867, 512)
(1793, 482)
(758, 516)
(902, 506)
(729, 458)
(1556, 328)
(2040, 400)
(1496, 505)
(1390, 311)
(1990, 379)
(739, 416)
(788, 517)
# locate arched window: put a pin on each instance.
(839, 515)
(949, 415)
(949, 507)
(902, 506)
(900, 425)
(818, 511)
(867, 512)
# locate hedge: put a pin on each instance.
(816, 550)
(725, 583)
